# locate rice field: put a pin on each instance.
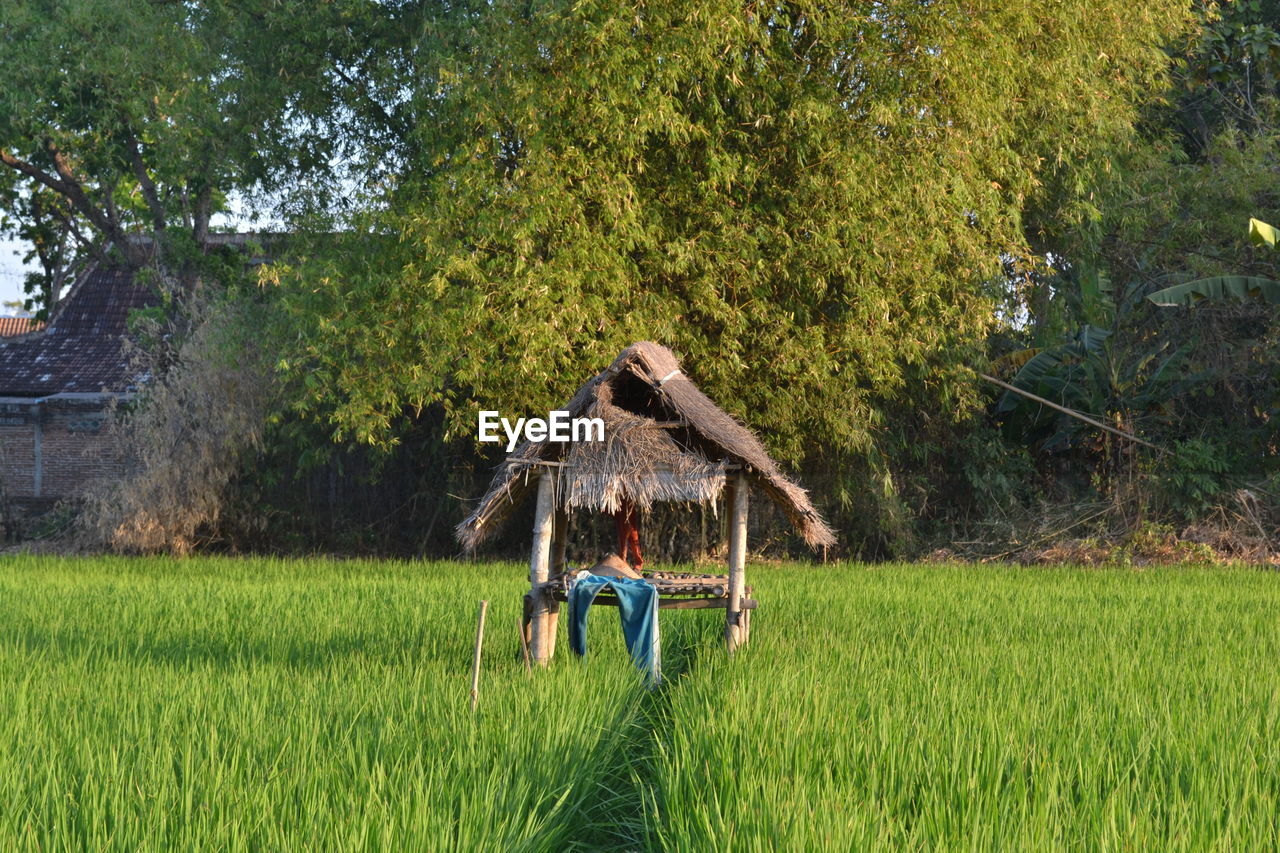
(245, 704)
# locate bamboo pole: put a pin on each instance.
(733, 634)
(1071, 413)
(744, 605)
(539, 568)
(475, 660)
(559, 541)
(559, 545)
(524, 644)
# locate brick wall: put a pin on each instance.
(51, 448)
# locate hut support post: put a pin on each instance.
(559, 541)
(539, 570)
(735, 628)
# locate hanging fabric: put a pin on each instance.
(637, 609)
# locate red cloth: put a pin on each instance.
(627, 521)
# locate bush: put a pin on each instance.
(1192, 478)
(184, 439)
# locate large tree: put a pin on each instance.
(138, 117)
(803, 200)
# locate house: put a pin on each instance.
(12, 327)
(56, 385)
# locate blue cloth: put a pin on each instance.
(638, 610)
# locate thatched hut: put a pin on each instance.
(664, 440)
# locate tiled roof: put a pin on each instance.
(81, 350)
(11, 326)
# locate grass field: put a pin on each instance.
(271, 705)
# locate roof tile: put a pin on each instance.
(82, 350)
(13, 326)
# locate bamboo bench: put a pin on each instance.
(676, 591)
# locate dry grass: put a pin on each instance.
(1243, 530)
(714, 436)
(186, 436)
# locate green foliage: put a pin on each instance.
(818, 207)
(207, 94)
(803, 201)
(1230, 73)
(1176, 218)
(1230, 287)
(999, 475)
(1219, 288)
(138, 118)
(1106, 373)
(1194, 476)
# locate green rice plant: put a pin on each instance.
(217, 704)
(926, 708)
(154, 704)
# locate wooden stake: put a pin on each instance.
(524, 644)
(734, 634)
(539, 568)
(475, 661)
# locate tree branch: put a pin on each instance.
(147, 185)
(394, 123)
(33, 172)
(202, 213)
(69, 187)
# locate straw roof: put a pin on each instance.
(664, 441)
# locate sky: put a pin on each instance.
(11, 251)
(11, 272)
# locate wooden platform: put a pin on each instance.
(676, 591)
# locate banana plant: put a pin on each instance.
(1227, 288)
(1093, 372)
(1221, 288)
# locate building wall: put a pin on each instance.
(52, 447)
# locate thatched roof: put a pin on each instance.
(664, 441)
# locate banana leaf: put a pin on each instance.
(1015, 360)
(1219, 289)
(1262, 234)
(1040, 375)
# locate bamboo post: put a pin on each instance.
(559, 541)
(559, 545)
(475, 660)
(539, 568)
(553, 627)
(702, 531)
(722, 526)
(734, 634)
(524, 644)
